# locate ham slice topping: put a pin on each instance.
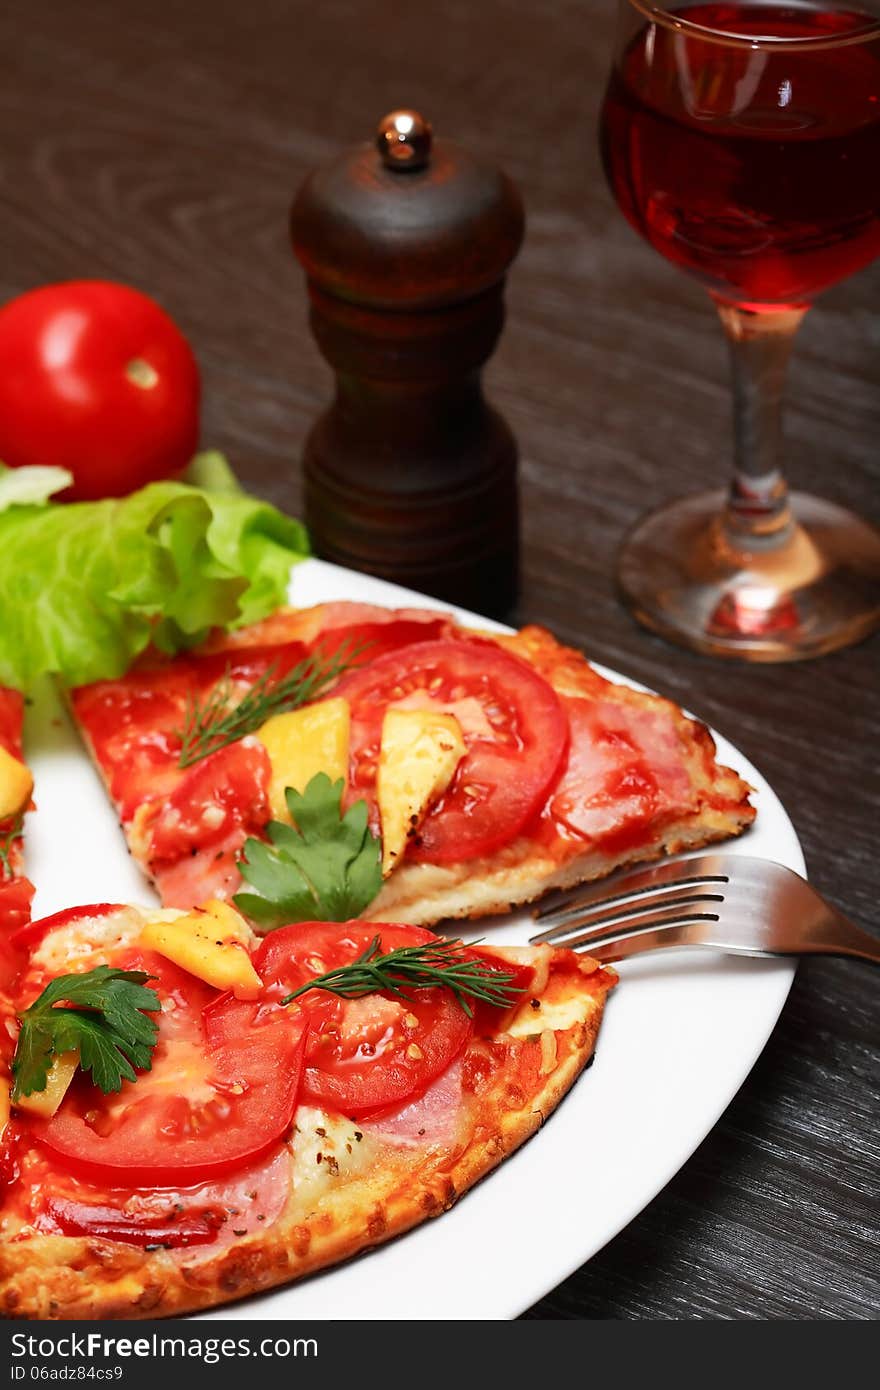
(432, 1120)
(626, 770)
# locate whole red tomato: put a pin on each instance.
(95, 377)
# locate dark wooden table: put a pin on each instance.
(160, 145)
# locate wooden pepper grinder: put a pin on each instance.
(410, 474)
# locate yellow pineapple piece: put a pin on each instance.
(303, 742)
(16, 785)
(421, 748)
(211, 943)
(235, 928)
(44, 1103)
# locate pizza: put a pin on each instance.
(16, 787)
(493, 767)
(252, 1125)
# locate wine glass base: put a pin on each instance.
(814, 590)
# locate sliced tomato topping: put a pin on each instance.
(30, 935)
(11, 716)
(196, 1226)
(375, 638)
(225, 791)
(514, 727)
(490, 1018)
(134, 723)
(363, 1055)
(15, 904)
(212, 1102)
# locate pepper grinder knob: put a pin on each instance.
(404, 139)
(410, 474)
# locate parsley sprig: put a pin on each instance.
(212, 721)
(443, 963)
(326, 867)
(108, 1026)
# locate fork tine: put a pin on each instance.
(681, 873)
(622, 917)
(645, 924)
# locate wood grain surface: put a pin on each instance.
(161, 145)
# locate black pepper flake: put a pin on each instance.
(421, 1131)
(319, 1158)
(261, 1217)
(358, 1136)
(253, 1195)
(218, 855)
(238, 1233)
(535, 1003)
(321, 1132)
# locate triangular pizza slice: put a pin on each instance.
(257, 1109)
(492, 767)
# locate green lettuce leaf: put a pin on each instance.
(85, 586)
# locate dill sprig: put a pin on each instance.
(8, 839)
(213, 721)
(444, 963)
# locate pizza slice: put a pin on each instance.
(493, 767)
(199, 1114)
(16, 788)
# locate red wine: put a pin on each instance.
(755, 169)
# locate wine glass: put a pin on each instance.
(742, 140)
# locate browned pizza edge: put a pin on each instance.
(61, 1278)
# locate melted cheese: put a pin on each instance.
(69, 948)
(557, 1014)
(326, 1151)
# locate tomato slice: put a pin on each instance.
(15, 904)
(11, 715)
(210, 1104)
(366, 1055)
(514, 727)
(26, 937)
(491, 1018)
(385, 634)
(134, 723)
(225, 791)
(197, 1226)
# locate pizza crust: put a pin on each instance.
(425, 894)
(64, 1277)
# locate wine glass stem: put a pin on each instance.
(760, 343)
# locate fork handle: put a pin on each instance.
(842, 938)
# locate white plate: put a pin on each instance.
(679, 1038)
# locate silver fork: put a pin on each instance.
(751, 907)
